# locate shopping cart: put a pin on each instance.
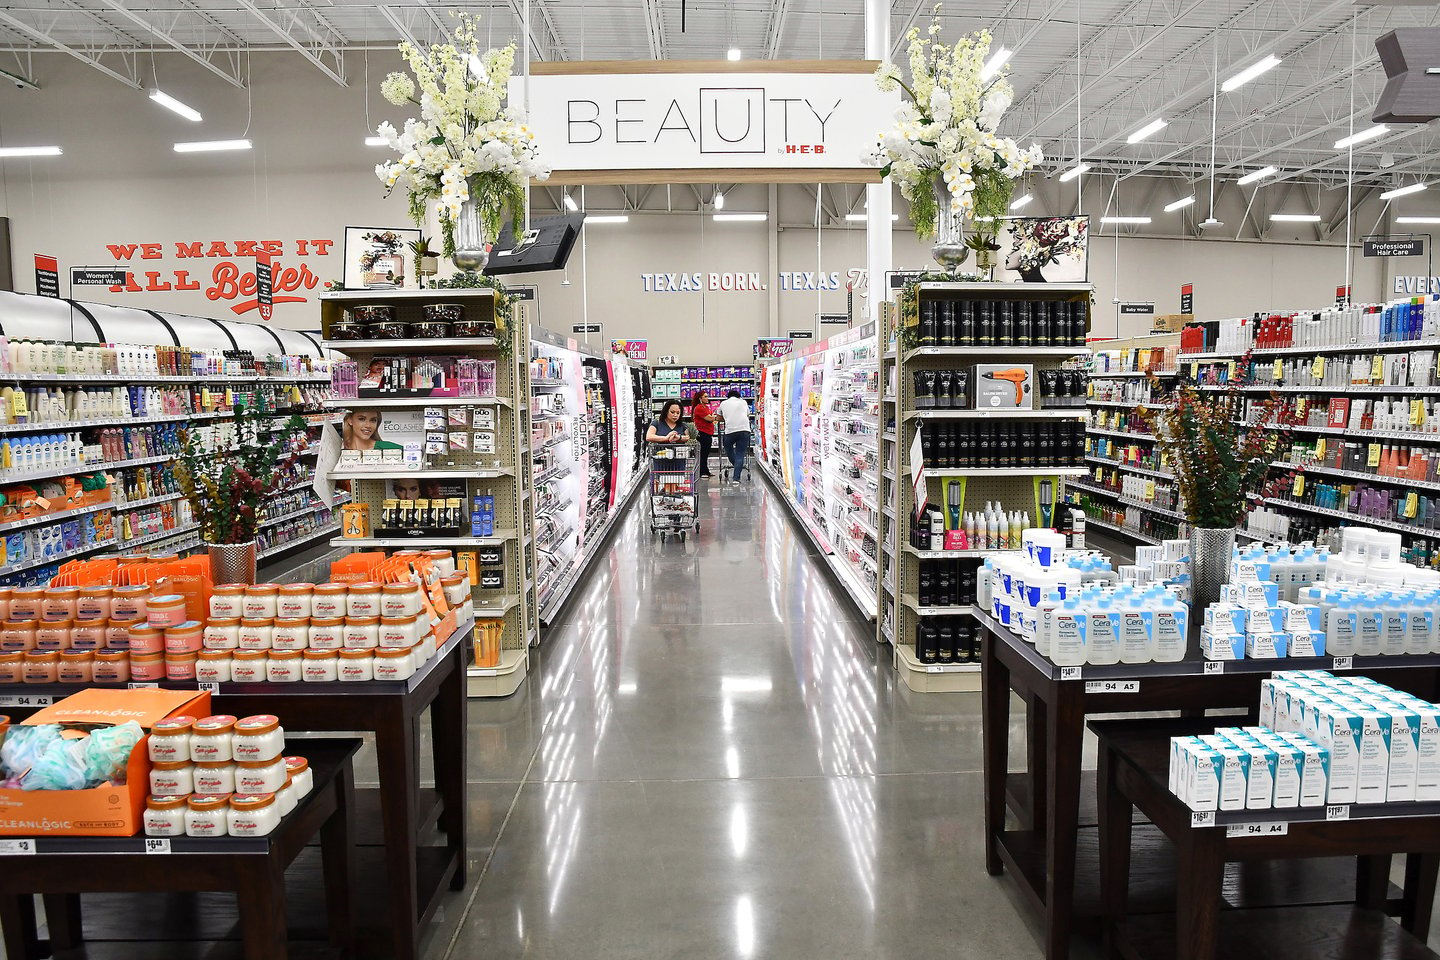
(674, 504)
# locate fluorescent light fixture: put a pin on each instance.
(732, 54)
(606, 218)
(1250, 73)
(739, 217)
(30, 151)
(862, 217)
(719, 200)
(207, 146)
(1295, 217)
(997, 60)
(570, 203)
(376, 142)
(1124, 219)
(1149, 130)
(1074, 172)
(1022, 201)
(1174, 205)
(1402, 191)
(1379, 130)
(1260, 174)
(1417, 219)
(170, 103)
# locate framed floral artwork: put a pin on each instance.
(1043, 250)
(379, 258)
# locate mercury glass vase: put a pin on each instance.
(232, 562)
(471, 251)
(949, 250)
(1210, 551)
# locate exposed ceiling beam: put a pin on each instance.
(233, 79)
(392, 18)
(301, 48)
(537, 41)
(776, 28)
(654, 28)
(25, 28)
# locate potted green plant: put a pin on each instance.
(427, 261)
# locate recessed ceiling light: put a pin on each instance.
(606, 218)
(738, 217)
(719, 200)
(170, 103)
(1417, 219)
(1022, 201)
(570, 203)
(1177, 204)
(732, 54)
(1260, 174)
(1295, 217)
(30, 151)
(997, 60)
(206, 146)
(1149, 130)
(1250, 73)
(861, 217)
(1074, 172)
(376, 142)
(1379, 130)
(1402, 191)
(1124, 219)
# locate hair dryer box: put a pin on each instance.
(1004, 386)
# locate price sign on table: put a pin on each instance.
(1214, 666)
(1204, 818)
(157, 845)
(1112, 686)
(17, 848)
(13, 701)
(1257, 829)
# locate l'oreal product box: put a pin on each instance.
(1004, 386)
(1233, 765)
(1251, 593)
(1314, 769)
(1267, 646)
(1338, 730)
(1221, 645)
(1376, 726)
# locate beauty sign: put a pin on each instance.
(214, 267)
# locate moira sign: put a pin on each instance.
(223, 269)
(754, 120)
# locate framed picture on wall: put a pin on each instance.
(1043, 250)
(379, 258)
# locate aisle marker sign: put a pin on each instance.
(1187, 298)
(264, 286)
(917, 472)
(47, 276)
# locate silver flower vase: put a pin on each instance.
(471, 251)
(1210, 551)
(232, 562)
(949, 250)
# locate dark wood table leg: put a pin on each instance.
(337, 846)
(1419, 902)
(64, 920)
(1116, 815)
(393, 743)
(1372, 881)
(1201, 867)
(260, 890)
(1065, 722)
(995, 724)
(1037, 741)
(17, 924)
(448, 734)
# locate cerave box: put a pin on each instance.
(110, 810)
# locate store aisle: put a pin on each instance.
(713, 760)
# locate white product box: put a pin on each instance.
(1338, 731)
(1180, 760)
(1404, 749)
(1427, 750)
(1176, 550)
(1267, 646)
(1263, 619)
(1307, 643)
(1221, 645)
(1260, 761)
(1233, 763)
(1225, 617)
(1374, 770)
(1201, 779)
(1251, 593)
(1314, 769)
(1301, 617)
(1289, 760)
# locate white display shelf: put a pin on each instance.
(887, 634)
(365, 403)
(147, 502)
(1355, 518)
(933, 677)
(1103, 525)
(320, 531)
(89, 379)
(1124, 434)
(957, 554)
(535, 382)
(1130, 404)
(63, 558)
(502, 680)
(1202, 357)
(59, 515)
(420, 471)
(593, 542)
(863, 525)
(73, 469)
(156, 537)
(991, 351)
(1118, 374)
(913, 602)
(863, 595)
(891, 436)
(1006, 472)
(1351, 389)
(1358, 475)
(308, 508)
(381, 295)
(411, 345)
(1401, 436)
(500, 537)
(63, 426)
(1142, 471)
(1051, 413)
(1128, 501)
(1431, 343)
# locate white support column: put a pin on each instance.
(772, 234)
(879, 233)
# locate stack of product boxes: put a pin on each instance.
(1323, 739)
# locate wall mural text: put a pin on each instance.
(231, 280)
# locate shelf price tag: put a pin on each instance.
(1299, 488)
(209, 687)
(1338, 811)
(1213, 667)
(1343, 663)
(1412, 506)
(1317, 369)
(17, 848)
(1279, 370)
(1257, 829)
(1069, 673)
(1377, 368)
(142, 686)
(1372, 455)
(1202, 818)
(157, 845)
(1112, 686)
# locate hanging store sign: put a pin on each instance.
(837, 319)
(1417, 286)
(1187, 298)
(656, 118)
(144, 270)
(1399, 247)
(264, 287)
(772, 348)
(1134, 306)
(580, 329)
(96, 277)
(47, 276)
(802, 334)
(634, 349)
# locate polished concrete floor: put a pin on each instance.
(712, 758)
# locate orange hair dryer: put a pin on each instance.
(1017, 376)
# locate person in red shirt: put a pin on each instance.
(704, 417)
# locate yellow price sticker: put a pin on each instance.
(1195, 371)
(1149, 489)
(1320, 449)
(1377, 369)
(1417, 413)
(1299, 488)
(1412, 506)
(1233, 367)
(18, 405)
(1279, 373)
(1372, 458)
(205, 397)
(1317, 369)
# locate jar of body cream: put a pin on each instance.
(252, 815)
(165, 816)
(300, 776)
(249, 666)
(328, 600)
(12, 666)
(222, 633)
(261, 601)
(259, 738)
(41, 666)
(60, 603)
(257, 633)
(284, 666)
(443, 561)
(184, 638)
(286, 797)
(259, 776)
(295, 600)
(457, 589)
(170, 740)
(146, 639)
(215, 777)
(52, 635)
(18, 636)
(363, 600)
(327, 633)
(87, 635)
(180, 666)
(26, 602)
(117, 632)
(172, 778)
(112, 666)
(400, 600)
(291, 633)
(213, 666)
(129, 603)
(166, 611)
(356, 665)
(205, 816)
(321, 666)
(77, 666)
(393, 663)
(227, 601)
(400, 631)
(147, 667)
(362, 633)
(93, 603)
(210, 739)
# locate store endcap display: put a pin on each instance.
(545, 245)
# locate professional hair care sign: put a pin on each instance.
(785, 116)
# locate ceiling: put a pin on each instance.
(1102, 68)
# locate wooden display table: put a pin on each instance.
(1134, 765)
(1041, 854)
(417, 875)
(62, 868)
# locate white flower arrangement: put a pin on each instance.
(948, 128)
(468, 143)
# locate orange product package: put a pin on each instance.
(357, 568)
(111, 810)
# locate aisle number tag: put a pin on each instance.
(1214, 666)
(1412, 506)
(1299, 488)
(17, 848)
(1372, 457)
(1317, 369)
(1279, 370)
(157, 845)
(27, 701)
(1257, 830)
(1417, 413)
(1202, 818)
(1377, 368)
(1337, 812)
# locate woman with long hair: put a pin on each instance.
(361, 431)
(703, 416)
